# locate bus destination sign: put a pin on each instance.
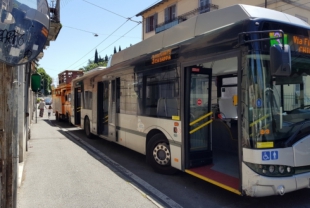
(303, 44)
(299, 44)
(161, 57)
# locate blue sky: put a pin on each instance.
(76, 43)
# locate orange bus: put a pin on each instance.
(62, 94)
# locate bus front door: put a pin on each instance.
(77, 106)
(199, 116)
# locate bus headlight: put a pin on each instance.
(272, 170)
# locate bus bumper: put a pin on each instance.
(258, 186)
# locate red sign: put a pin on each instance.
(199, 102)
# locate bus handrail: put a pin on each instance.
(201, 118)
(258, 120)
(201, 126)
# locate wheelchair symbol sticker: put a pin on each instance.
(270, 155)
(265, 155)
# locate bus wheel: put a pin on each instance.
(158, 155)
(87, 128)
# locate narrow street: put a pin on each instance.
(59, 173)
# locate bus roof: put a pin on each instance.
(90, 73)
(202, 24)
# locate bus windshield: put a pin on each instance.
(278, 107)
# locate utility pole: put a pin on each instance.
(265, 3)
(7, 171)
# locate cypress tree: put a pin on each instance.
(96, 57)
(115, 50)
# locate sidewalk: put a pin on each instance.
(59, 173)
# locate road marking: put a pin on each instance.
(129, 174)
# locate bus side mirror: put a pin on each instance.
(280, 60)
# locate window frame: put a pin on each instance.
(170, 13)
(150, 23)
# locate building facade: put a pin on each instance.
(168, 13)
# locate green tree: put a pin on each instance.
(119, 49)
(106, 58)
(115, 50)
(46, 80)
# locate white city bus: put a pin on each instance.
(223, 96)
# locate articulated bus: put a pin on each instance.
(223, 96)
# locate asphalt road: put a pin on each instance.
(180, 190)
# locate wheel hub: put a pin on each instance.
(161, 154)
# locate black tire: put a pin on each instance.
(158, 155)
(87, 128)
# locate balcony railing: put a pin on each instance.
(168, 24)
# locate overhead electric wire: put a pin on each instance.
(118, 39)
(128, 18)
(98, 44)
(80, 29)
(93, 32)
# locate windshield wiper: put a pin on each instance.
(290, 140)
